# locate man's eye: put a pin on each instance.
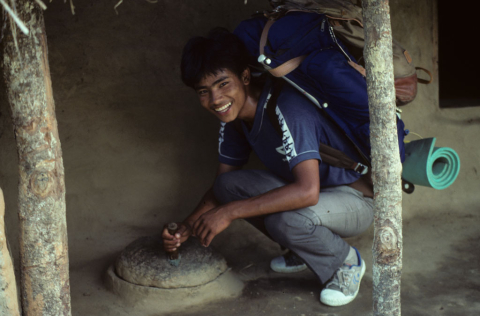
(201, 92)
(223, 84)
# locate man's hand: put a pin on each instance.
(172, 242)
(210, 224)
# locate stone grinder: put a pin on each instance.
(144, 277)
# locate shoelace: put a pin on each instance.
(341, 280)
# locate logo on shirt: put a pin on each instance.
(287, 139)
(221, 136)
(281, 151)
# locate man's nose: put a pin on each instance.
(216, 97)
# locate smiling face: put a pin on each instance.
(225, 95)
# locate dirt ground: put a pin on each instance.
(441, 274)
(139, 152)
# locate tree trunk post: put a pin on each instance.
(386, 173)
(8, 293)
(45, 282)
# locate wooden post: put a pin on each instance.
(387, 245)
(45, 286)
(8, 293)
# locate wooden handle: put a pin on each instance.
(172, 229)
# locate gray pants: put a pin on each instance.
(313, 233)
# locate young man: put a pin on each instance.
(301, 203)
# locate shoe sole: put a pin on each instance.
(341, 302)
(289, 269)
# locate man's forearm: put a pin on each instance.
(289, 197)
(303, 192)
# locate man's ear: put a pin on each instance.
(246, 76)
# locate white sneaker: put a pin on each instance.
(288, 263)
(344, 285)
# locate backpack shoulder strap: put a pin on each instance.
(284, 68)
(329, 155)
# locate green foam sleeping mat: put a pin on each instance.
(435, 167)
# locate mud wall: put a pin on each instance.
(414, 24)
(138, 149)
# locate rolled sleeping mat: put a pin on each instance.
(435, 167)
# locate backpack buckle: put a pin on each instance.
(264, 60)
(361, 168)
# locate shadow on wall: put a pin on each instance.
(138, 149)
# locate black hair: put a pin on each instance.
(203, 56)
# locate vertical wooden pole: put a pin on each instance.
(8, 292)
(45, 286)
(387, 245)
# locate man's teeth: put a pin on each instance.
(223, 108)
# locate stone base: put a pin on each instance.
(144, 262)
(158, 300)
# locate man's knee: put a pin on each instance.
(288, 228)
(224, 187)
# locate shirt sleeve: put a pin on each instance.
(300, 134)
(233, 147)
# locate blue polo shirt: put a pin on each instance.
(303, 126)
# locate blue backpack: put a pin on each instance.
(301, 48)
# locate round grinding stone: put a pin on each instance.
(144, 262)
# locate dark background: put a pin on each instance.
(459, 65)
